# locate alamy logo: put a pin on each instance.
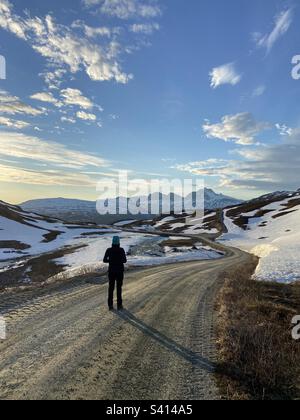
(296, 329)
(124, 196)
(296, 68)
(2, 328)
(2, 68)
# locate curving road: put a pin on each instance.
(62, 342)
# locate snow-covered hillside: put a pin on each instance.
(268, 227)
(210, 224)
(26, 234)
(142, 250)
(34, 249)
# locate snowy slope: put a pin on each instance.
(272, 232)
(27, 234)
(148, 253)
(209, 224)
(181, 226)
(72, 249)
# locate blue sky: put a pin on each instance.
(202, 88)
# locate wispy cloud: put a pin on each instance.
(54, 78)
(144, 28)
(46, 97)
(94, 32)
(86, 116)
(284, 130)
(70, 98)
(240, 128)
(63, 47)
(75, 97)
(282, 24)
(80, 47)
(225, 74)
(15, 124)
(259, 91)
(13, 105)
(31, 160)
(21, 146)
(126, 9)
(263, 168)
(16, 174)
(68, 120)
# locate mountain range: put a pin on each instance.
(82, 211)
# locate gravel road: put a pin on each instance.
(62, 343)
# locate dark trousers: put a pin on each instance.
(113, 279)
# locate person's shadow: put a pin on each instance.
(167, 343)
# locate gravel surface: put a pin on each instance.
(62, 342)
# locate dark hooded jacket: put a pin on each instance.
(116, 258)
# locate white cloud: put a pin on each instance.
(69, 98)
(259, 91)
(75, 97)
(144, 28)
(46, 97)
(45, 163)
(240, 128)
(16, 124)
(262, 168)
(68, 120)
(10, 23)
(63, 47)
(210, 167)
(284, 130)
(223, 75)
(21, 146)
(114, 117)
(13, 105)
(94, 32)
(282, 24)
(53, 78)
(86, 116)
(14, 174)
(126, 9)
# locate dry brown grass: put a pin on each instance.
(51, 236)
(293, 203)
(13, 245)
(38, 269)
(179, 242)
(284, 213)
(259, 358)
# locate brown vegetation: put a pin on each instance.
(285, 213)
(51, 236)
(179, 242)
(13, 245)
(259, 359)
(36, 270)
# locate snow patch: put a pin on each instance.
(275, 240)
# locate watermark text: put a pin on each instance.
(2, 68)
(124, 196)
(296, 329)
(2, 328)
(296, 68)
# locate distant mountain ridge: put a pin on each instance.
(73, 210)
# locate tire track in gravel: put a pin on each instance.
(63, 344)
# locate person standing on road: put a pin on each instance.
(116, 258)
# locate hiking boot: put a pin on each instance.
(111, 308)
(120, 308)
